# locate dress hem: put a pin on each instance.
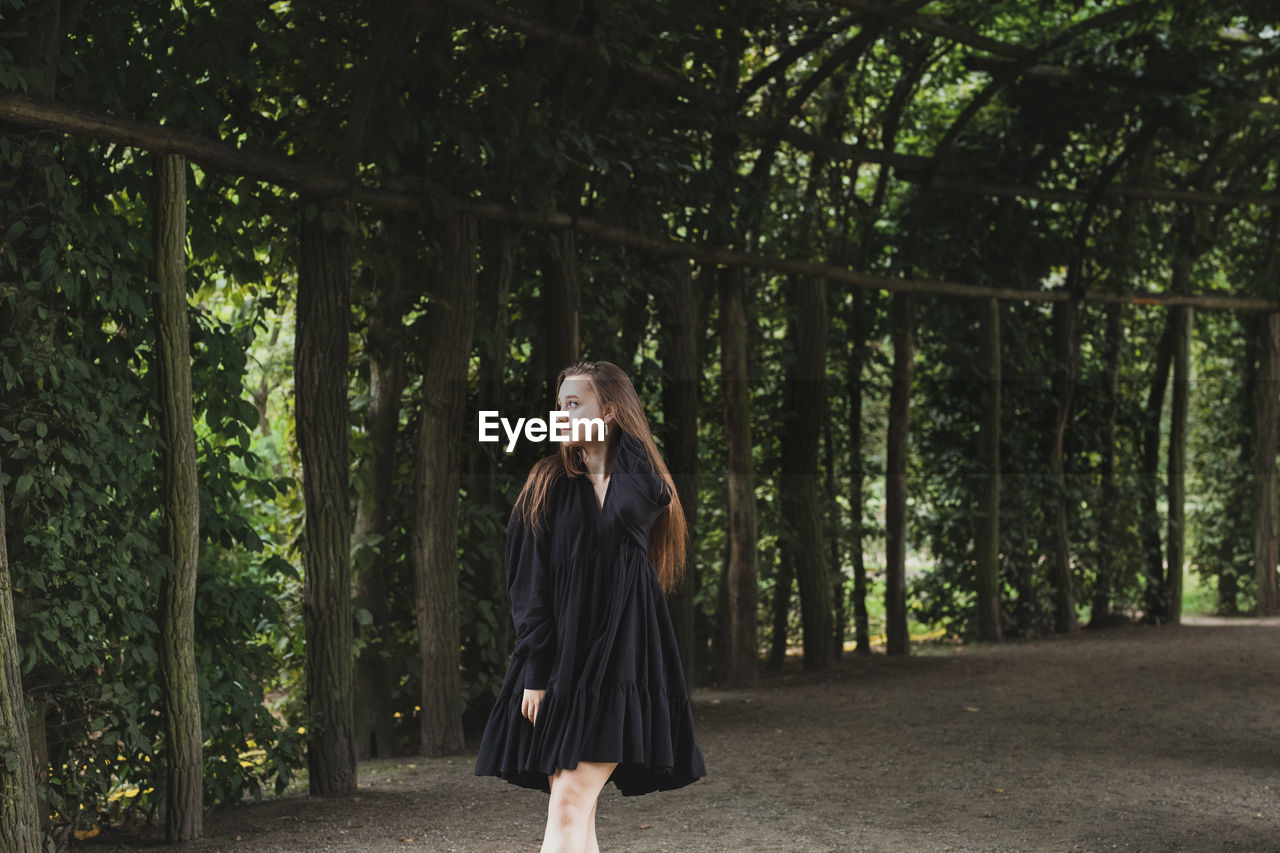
(642, 728)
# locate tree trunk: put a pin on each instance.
(1182, 321)
(448, 335)
(897, 640)
(375, 712)
(632, 325)
(1155, 600)
(184, 767)
(498, 248)
(563, 306)
(19, 816)
(1264, 460)
(741, 585)
(1100, 610)
(857, 474)
(835, 570)
(988, 533)
(805, 403)
(1066, 321)
(320, 379)
(680, 408)
(784, 576)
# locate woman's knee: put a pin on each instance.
(575, 791)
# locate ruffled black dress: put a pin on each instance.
(593, 629)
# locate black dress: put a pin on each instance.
(593, 629)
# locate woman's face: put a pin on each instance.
(577, 400)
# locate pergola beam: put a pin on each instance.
(914, 168)
(958, 183)
(1080, 77)
(938, 27)
(211, 154)
(164, 139)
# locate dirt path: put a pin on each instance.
(1143, 739)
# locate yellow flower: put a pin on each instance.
(131, 791)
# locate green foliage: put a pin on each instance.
(483, 661)
(82, 479)
(1220, 521)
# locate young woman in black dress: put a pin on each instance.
(595, 691)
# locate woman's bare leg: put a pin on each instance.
(593, 846)
(571, 810)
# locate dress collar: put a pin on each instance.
(628, 452)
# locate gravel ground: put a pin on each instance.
(1134, 738)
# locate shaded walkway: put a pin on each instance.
(1147, 739)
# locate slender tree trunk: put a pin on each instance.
(1100, 610)
(988, 533)
(857, 470)
(184, 767)
(1155, 599)
(680, 407)
(498, 248)
(805, 410)
(320, 379)
(784, 578)
(563, 305)
(1182, 321)
(19, 817)
(448, 335)
(375, 712)
(1066, 320)
(262, 394)
(742, 500)
(738, 585)
(897, 640)
(835, 571)
(633, 324)
(1267, 408)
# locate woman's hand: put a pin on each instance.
(529, 705)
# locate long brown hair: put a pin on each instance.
(616, 395)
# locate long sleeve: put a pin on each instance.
(529, 582)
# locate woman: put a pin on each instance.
(595, 691)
